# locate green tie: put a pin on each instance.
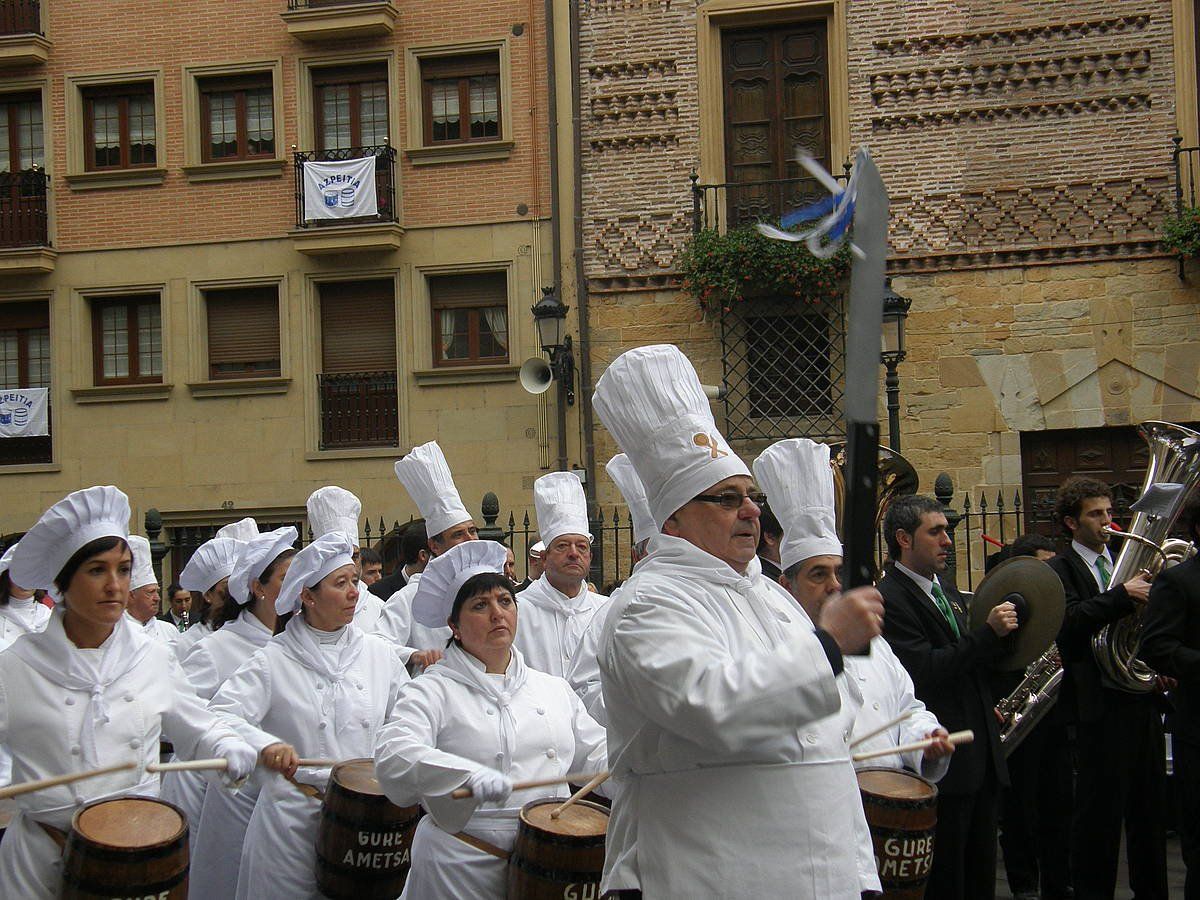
(943, 604)
(1102, 568)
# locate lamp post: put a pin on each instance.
(895, 311)
(549, 318)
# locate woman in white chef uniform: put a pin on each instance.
(90, 690)
(481, 719)
(216, 595)
(249, 623)
(321, 689)
(20, 614)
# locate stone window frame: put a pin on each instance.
(419, 152)
(77, 174)
(42, 87)
(199, 384)
(194, 166)
(306, 94)
(85, 390)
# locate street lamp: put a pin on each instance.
(895, 311)
(549, 317)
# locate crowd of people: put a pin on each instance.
(726, 684)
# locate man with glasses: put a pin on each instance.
(726, 729)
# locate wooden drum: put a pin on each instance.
(364, 841)
(126, 847)
(901, 810)
(559, 858)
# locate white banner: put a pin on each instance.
(24, 412)
(340, 189)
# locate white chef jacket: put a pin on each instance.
(367, 610)
(275, 697)
(550, 625)
(443, 731)
(42, 722)
(728, 739)
(188, 639)
(156, 628)
(18, 617)
(584, 672)
(396, 624)
(887, 691)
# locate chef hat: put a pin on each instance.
(212, 561)
(255, 556)
(143, 563)
(324, 555)
(7, 558)
(652, 402)
(620, 470)
(446, 574)
(798, 482)
(241, 530)
(333, 509)
(64, 529)
(538, 549)
(426, 476)
(561, 506)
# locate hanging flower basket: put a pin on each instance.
(1181, 233)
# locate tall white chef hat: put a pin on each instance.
(212, 561)
(621, 471)
(795, 476)
(561, 506)
(143, 563)
(334, 509)
(440, 583)
(324, 555)
(65, 528)
(426, 476)
(255, 556)
(652, 402)
(241, 530)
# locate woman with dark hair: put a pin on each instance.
(482, 719)
(20, 613)
(321, 689)
(89, 691)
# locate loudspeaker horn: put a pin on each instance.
(536, 375)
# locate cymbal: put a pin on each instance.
(1036, 591)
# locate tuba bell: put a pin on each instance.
(897, 478)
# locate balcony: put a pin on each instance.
(737, 204)
(358, 409)
(378, 233)
(22, 42)
(24, 239)
(317, 21)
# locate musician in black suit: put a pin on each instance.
(925, 624)
(1120, 775)
(1171, 646)
(414, 554)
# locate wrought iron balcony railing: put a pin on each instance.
(1186, 161)
(20, 17)
(23, 208)
(322, 4)
(385, 183)
(358, 409)
(733, 204)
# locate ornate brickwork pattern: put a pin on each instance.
(1008, 38)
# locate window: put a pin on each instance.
(243, 332)
(119, 126)
(470, 319)
(25, 363)
(351, 107)
(21, 145)
(127, 340)
(461, 98)
(22, 175)
(237, 118)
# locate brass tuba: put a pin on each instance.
(1171, 475)
(897, 478)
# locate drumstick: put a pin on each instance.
(316, 763)
(463, 793)
(886, 726)
(958, 737)
(194, 765)
(28, 787)
(590, 786)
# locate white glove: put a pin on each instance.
(240, 757)
(489, 785)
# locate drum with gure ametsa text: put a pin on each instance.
(901, 810)
(127, 847)
(558, 859)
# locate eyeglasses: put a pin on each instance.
(732, 499)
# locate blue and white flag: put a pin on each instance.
(340, 189)
(835, 213)
(24, 412)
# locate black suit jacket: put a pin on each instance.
(1088, 610)
(385, 587)
(1171, 640)
(950, 674)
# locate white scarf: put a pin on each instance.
(53, 656)
(544, 595)
(250, 628)
(299, 640)
(460, 666)
(26, 614)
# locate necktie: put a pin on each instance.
(939, 597)
(1105, 574)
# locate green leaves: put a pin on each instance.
(1181, 234)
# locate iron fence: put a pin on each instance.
(358, 409)
(385, 183)
(23, 208)
(733, 204)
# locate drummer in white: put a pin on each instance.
(482, 719)
(20, 614)
(335, 510)
(798, 482)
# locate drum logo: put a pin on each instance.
(904, 858)
(589, 890)
(378, 859)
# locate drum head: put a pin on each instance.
(357, 775)
(129, 822)
(895, 784)
(581, 819)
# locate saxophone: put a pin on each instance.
(1034, 697)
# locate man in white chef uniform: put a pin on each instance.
(144, 594)
(798, 482)
(426, 476)
(556, 609)
(725, 724)
(334, 510)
